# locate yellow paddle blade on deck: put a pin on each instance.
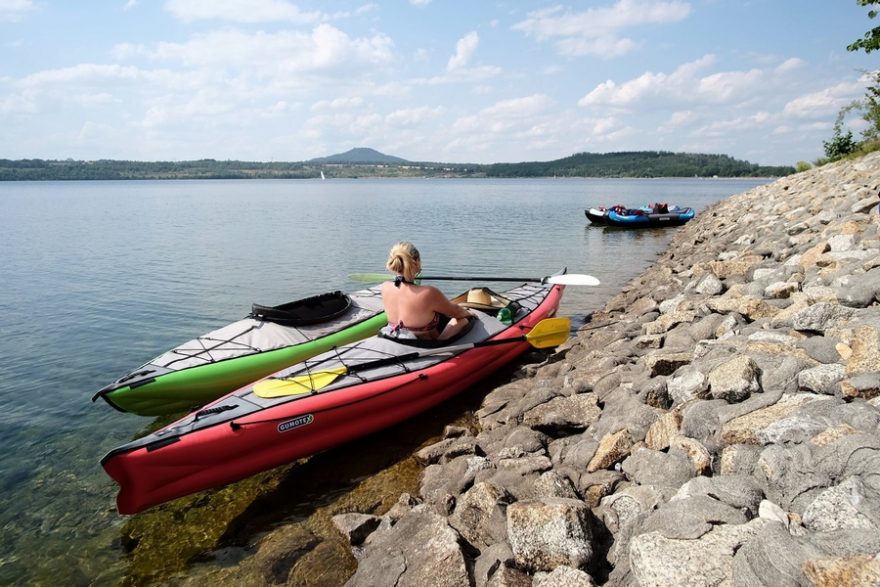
(549, 332)
(270, 388)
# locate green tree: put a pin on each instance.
(870, 107)
(871, 40)
(841, 144)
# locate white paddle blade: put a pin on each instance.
(572, 279)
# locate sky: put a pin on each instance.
(476, 81)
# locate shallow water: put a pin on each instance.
(99, 277)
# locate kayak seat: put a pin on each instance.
(312, 310)
(409, 339)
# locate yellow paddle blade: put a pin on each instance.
(270, 388)
(549, 332)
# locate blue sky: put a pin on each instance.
(476, 81)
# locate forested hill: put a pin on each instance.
(638, 164)
(631, 164)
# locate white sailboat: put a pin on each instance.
(322, 175)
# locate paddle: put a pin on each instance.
(564, 279)
(547, 333)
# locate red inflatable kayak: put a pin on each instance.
(322, 402)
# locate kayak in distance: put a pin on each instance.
(651, 216)
(332, 398)
(270, 338)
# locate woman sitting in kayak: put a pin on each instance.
(418, 309)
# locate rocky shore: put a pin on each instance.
(717, 423)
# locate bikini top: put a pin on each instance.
(429, 327)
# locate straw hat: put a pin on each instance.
(479, 296)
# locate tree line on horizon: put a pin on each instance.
(636, 164)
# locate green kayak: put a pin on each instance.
(269, 339)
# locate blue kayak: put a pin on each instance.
(644, 217)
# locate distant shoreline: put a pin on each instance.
(373, 178)
(633, 165)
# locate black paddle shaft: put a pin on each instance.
(429, 352)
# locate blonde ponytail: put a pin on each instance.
(402, 260)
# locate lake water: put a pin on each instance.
(99, 277)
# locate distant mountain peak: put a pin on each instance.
(362, 156)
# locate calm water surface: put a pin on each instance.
(99, 277)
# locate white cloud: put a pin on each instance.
(519, 107)
(727, 85)
(722, 128)
(790, 65)
(824, 103)
(413, 116)
(23, 103)
(464, 51)
(595, 31)
(15, 10)
(605, 47)
(464, 75)
(270, 54)
(246, 11)
(419, 2)
(84, 73)
(681, 118)
(338, 104)
(508, 118)
(682, 86)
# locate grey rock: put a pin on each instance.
(820, 348)
(788, 476)
(400, 555)
(820, 317)
(659, 561)
(701, 421)
(529, 440)
(356, 527)
(555, 483)
(479, 515)
(563, 576)
(453, 478)
(651, 467)
(860, 416)
(841, 507)
(507, 576)
(655, 393)
(446, 450)
(822, 379)
(735, 380)
(739, 459)
(710, 285)
(770, 511)
(549, 532)
(861, 385)
(689, 518)
(490, 560)
(738, 491)
(772, 558)
(624, 508)
(623, 410)
(686, 384)
(577, 455)
(564, 414)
